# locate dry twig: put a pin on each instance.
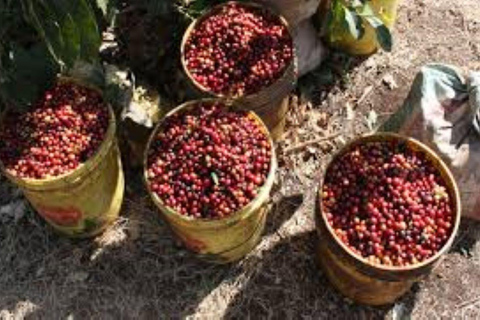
(310, 142)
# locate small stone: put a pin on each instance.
(20, 210)
(79, 276)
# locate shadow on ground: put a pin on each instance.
(289, 285)
(134, 270)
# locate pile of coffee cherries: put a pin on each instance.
(208, 161)
(388, 204)
(60, 132)
(238, 50)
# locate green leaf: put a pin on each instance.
(214, 178)
(194, 9)
(104, 6)
(108, 9)
(199, 5)
(89, 33)
(384, 36)
(57, 28)
(337, 24)
(372, 120)
(366, 11)
(68, 27)
(85, 25)
(338, 10)
(354, 24)
(70, 39)
(357, 4)
(26, 74)
(41, 17)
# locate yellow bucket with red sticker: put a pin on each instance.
(218, 240)
(85, 201)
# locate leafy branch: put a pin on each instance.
(38, 39)
(353, 16)
(193, 9)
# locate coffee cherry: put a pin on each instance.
(61, 131)
(238, 50)
(208, 161)
(388, 204)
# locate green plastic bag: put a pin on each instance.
(443, 111)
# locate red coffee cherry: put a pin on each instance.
(61, 131)
(238, 50)
(208, 161)
(388, 204)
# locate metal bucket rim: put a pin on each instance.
(264, 190)
(446, 173)
(214, 9)
(83, 169)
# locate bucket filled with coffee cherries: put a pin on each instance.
(209, 168)
(243, 52)
(62, 152)
(387, 210)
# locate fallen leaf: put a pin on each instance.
(350, 112)
(312, 150)
(390, 81)
(372, 120)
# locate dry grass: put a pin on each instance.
(136, 270)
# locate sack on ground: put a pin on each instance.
(295, 11)
(310, 49)
(443, 111)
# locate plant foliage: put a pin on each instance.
(192, 9)
(38, 39)
(353, 16)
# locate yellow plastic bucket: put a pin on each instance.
(339, 38)
(218, 240)
(85, 201)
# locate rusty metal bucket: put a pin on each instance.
(353, 276)
(270, 103)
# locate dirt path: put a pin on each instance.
(135, 270)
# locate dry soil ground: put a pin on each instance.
(135, 270)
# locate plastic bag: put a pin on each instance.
(310, 50)
(295, 11)
(443, 111)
